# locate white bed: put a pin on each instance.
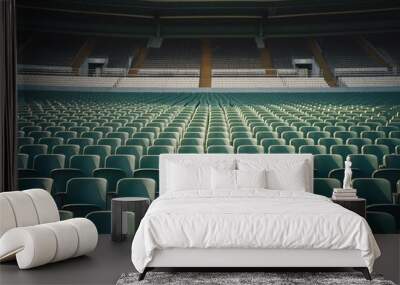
(280, 226)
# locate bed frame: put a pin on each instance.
(240, 259)
(246, 259)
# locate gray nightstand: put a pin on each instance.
(357, 205)
(138, 205)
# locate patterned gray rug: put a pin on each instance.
(244, 278)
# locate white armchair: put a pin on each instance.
(31, 231)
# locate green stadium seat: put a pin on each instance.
(149, 161)
(51, 142)
(67, 150)
(313, 149)
(85, 195)
(378, 150)
(387, 129)
(250, 149)
(241, 135)
(81, 142)
(85, 163)
(374, 190)
(54, 129)
(366, 163)
(359, 129)
(112, 175)
(60, 178)
(123, 162)
(66, 135)
(169, 135)
(381, 222)
(333, 129)
(281, 149)
(37, 135)
(325, 186)
(266, 143)
(148, 173)
(121, 136)
(390, 174)
(143, 135)
(45, 163)
(143, 142)
(318, 135)
(94, 135)
(27, 173)
(283, 129)
(339, 173)
(359, 142)
(345, 135)
(37, 182)
(372, 135)
(243, 141)
(167, 142)
(112, 142)
(298, 142)
(324, 163)
(135, 150)
(22, 160)
(391, 161)
(344, 150)
(33, 150)
(137, 187)
(79, 130)
(307, 129)
(391, 143)
(394, 135)
(160, 149)
(289, 135)
(329, 142)
(191, 149)
(220, 149)
(102, 151)
(24, 141)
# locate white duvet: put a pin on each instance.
(250, 219)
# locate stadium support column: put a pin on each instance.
(8, 96)
(206, 64)
(320, 59)
(266, 61)
(83, 53)
(140, 56)
(372, 52)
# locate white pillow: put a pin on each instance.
(182, 177)
(251, 179)
(223, 179)
(293, 179)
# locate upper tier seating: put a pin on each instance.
(70, 81)
(51, 49)
(235, 54)
(371, 81)
(175, 54)
(269, 82)
(345, 52)
(283, 51)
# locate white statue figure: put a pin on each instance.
(347, 174)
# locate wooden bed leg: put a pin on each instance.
(365, 272)
(143, 274)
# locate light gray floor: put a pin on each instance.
(103, 266)
(110, 260)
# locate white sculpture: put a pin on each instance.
(347, 174)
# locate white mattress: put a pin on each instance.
(253, 219)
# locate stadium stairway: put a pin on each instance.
(266, 61)
(372, 52)
(319, 57)
(82, 54)
(141, 55)
(206, 64)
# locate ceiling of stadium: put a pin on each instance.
(209, 17)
